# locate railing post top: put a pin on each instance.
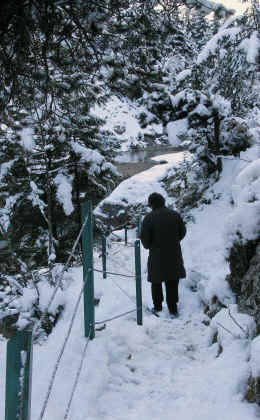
(86, 204)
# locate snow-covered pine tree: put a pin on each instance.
(198, 29)
(214, 97)
(57, 151)
(176, 51)
(54, 152)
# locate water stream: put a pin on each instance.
(144, 155)
(132, 162)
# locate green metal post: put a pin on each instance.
(19, 377)
(88, 275)
(139, 309)
(139, 223)
(104, 256)
(125, 235)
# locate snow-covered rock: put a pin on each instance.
(176, 131)
(253, 392)
(244, 223)
(229, 325)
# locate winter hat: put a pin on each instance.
(156, 200)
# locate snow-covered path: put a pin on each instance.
(165, 368)
(169, 371)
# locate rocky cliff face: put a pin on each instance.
(245, 282)
(245, 278)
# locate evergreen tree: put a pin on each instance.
(57, 60)
(198, 29)
(50, 92)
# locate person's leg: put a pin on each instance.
(172, 295)
(157, 296)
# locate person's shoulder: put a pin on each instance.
(148, 217)
(173, 212)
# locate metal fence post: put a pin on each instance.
(138, 230)
(88, 275)
(139, 309)
(104, 256)
(19, 377)
(125, 235)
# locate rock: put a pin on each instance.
(244, 279)
(249, 296)
(253, 390)
(162, 162)
(7, 325)
(119, 129)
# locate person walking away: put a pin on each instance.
(161, 232)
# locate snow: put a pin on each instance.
(175, 129)
(205, 7)
(253, 48)
(245, 218)
(171, 158)
(5, 167)
(86, 154)
(165, 368)
(121, 118)
(34, 196)
(222, 105)
(182, 75)
(27, 138)
(230, 325)
(255, 357)
(6, 211)
(212, 45)
(64, 192)
(137, 189)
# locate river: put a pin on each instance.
(132, 162)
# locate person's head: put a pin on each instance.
(156, 201)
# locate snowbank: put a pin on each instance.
(175, 130)
(244, 223)
(255, 357)
(121, 119)
(229, 325)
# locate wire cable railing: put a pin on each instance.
(60, 278)
(114, 274)
(118, 264)
(77, 378)
(61, 352)
(115, 317)
(72, 320)
(89, 315)
(76, 307)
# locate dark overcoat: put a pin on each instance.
(161, 233)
